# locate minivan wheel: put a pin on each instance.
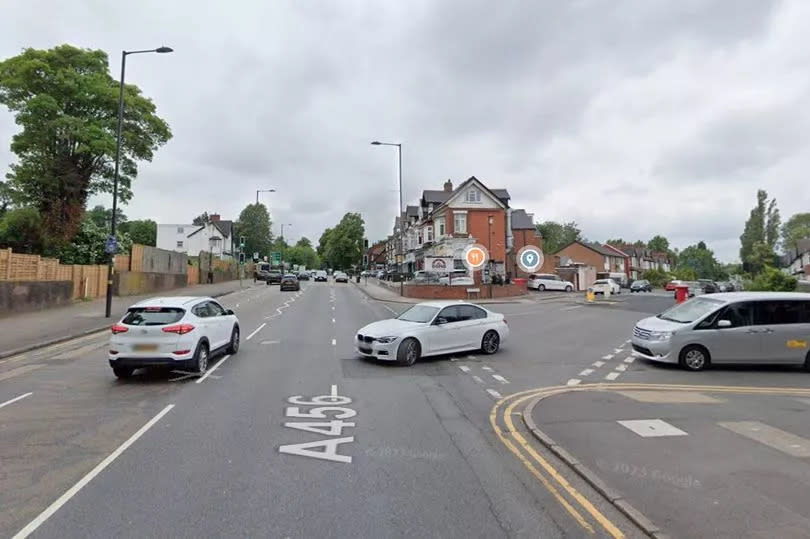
(694, 358)
(408, 352)
(490, 342)
(233, 347)
(123, 372)
(200, 360)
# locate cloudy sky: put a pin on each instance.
(632, 118)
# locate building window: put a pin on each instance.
(179, 229)
(460, 223)
(440, 231)
(179, 243)
(429, 233)
(474, 195)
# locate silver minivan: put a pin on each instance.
(732, 327)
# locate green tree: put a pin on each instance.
(255, 225)
(66, 103)
(762, 227)
(772, 279)
(659, 244)
(304, 242)
(616, 242)
(640, 244)
(141, 231)
(7, 197)
(796, 228)
(701, 260)
(344, 247)
(202, 219)
(21, 229)
(101, 216)
(685, 273)
(558, 235)
(658, 278)
(87, 247)
(323, 242)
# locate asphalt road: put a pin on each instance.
(409, 452)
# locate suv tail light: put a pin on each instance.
(118, 328)
(180, 329)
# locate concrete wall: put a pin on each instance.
(144, 258)
(460, 292)
(19, 296)
(132, 283)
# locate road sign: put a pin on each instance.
(110, 245)
(475, 256)
(530, 258)
(255, 256)
(275, 258)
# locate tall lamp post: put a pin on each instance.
(399, 212)
(263, 191)
(282, 239)
(124, 54)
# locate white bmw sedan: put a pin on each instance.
(432, 328)
(179, 332)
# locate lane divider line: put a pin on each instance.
(488, 369)
(612, 375)
(598, 363)
(608, 357)
(212, 369)
(573, 382)
(334, 342)
(72, 491)
(494, 394)
(464, 368)
(478, 379)
(500, 378)
(621, 367)
(586, 372)
(255, 331)
(15, 399)
(629, 359)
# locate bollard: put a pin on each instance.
(590, 296)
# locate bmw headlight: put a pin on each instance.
(387, 340)
(660, 335)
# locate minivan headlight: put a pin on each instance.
(386, 340)
(660, 335)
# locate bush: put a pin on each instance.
(658, 278)
(685, 273)
(772, 280)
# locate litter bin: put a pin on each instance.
(358, 278)
(681, 293)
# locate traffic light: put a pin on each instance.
(242, 242)
(241, 258)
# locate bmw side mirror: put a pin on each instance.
(229, 312)
(441, 320)
(723, 323)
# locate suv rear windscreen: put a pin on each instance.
(153, 316)
(264, 267)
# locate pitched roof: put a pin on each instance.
(412, 211)
(522, 220)
(431, 196)
(601, 249)
(225, 227)
(502, 194)
(616, 250)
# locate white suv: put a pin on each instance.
(179, 332)
(548, 281)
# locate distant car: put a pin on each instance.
(290, 282)
(380, 274)
(303, 276)
(432, 328)
(725, 286)
(642, 285)
(548, 281)
(600, 286)
(670, 286)
(457, 280)
(320, 275)
(262, 271)
(341, 277)
(178, 332)
(273, 277)
(709, 286)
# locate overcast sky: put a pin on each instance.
(631, 118)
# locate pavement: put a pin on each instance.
(25, 331)
(389, 292)
(295, 436)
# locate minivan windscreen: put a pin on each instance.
(685, 313)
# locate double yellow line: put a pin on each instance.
(552, 479)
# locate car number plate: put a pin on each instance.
(364, 349)
(145, 347)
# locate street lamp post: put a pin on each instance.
(489, 246)
(263, 191)
(124, 54)
(282, 241)
(399, 212)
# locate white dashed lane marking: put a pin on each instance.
(573, 382)
(629, 359)
(586, 372)
(15, 399)
(598, 363)
(478, 380)
(494, 394)
(608, 357)
(500, 378)
(464, 368)
(612, 376)
(621, 367)
(488, 369)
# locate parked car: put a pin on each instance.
(432, 328)
(670, 286)
(273, 277)
(548, 281)
(380, 274)
(731, 327)
(320, 275)
(457, 280)
(303, 276)
(290, 282)
(641, 285)
(178, 332)
(725, 286)
(341, 277)
(708, 286)
(600, 286)
(262, 271)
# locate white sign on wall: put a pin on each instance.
(438, 264)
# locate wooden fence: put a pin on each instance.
(88, 281)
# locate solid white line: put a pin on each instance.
(621, 367)
(478, 380)
(573, 382)
(464, 368)
(608, 357)
(617, 350)
(212, 369)
(237, 305)
(500, 378)
(334, 390)
(487, 368)
(571, 308)
(598, 363)
(494, 393)
(612, 375)
(334, 342)
(72, 491)
(586, 372)
(629, 359)
(258, 329)
(627, 341)
(15, 399)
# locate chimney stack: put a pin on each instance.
(448, 186)
(214, 217)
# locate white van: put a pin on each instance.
(730, 327)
